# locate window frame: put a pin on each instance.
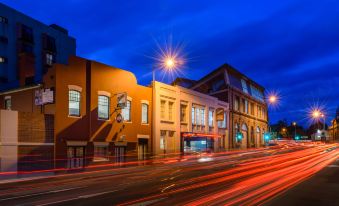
(211, 118)
(108, 107)
(183, 113)
(3, 20)
(129, 113)
(142, 113)
(99, 158)
(6, 101)
(79, 102)
(3, 60)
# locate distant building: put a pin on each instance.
(28, 48)
(248, 109)
(188, 121)
(333, 130)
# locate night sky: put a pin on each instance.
(287, 46)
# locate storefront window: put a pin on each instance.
(100, 153)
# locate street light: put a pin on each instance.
(295, 129)
(316, 114)
(272, 99)
(167, 63)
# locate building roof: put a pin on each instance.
(230, 70)
(183, 82)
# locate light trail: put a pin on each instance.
(250, 176)
(240, 177)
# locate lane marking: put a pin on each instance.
(96, 194)
(163, 190)
(40, 193)
(77, 198)
(149, 202)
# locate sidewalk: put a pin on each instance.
(321, 189)
(22, 178)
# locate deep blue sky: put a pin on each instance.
(290, 46)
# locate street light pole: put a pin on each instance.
(295, 129)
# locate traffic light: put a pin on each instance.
(239, 136)
(297, 137)
(267, 136)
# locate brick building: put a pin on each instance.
(333, 130)
(248, 109)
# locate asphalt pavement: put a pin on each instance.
(249, 177)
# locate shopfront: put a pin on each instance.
(197, 142)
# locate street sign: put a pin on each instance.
(122, 100)
(38, 97)
(119, 118)
(47, 96)
(43, 96)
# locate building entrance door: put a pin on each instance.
(75, 157)
(142, 148)
(119, 153)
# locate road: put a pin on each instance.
(249, 177)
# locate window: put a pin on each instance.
(222, 124)
(144, 113)
(256, 93)
(100, 153)
(3, 20)
(74, 103)
(162, 109)
(263, 113)
(252, 108)
(48, 43)
(103, 107)
(126, 112)
(8, 103)
(170, 110)
(244, 86)
(49, 59)
(210, 118)
(259, 111)
(246, 106)
(193, 115)
(202, 115)
(236, 103)
(26, 34)
(162, 139)
(197, 116)
(183, 115)
(3, 60)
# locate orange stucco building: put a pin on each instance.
(84, 111)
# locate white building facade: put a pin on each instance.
(188, 121)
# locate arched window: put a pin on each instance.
(244, 127)
(258, 129)
(74, 103)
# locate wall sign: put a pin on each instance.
(119, 118)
